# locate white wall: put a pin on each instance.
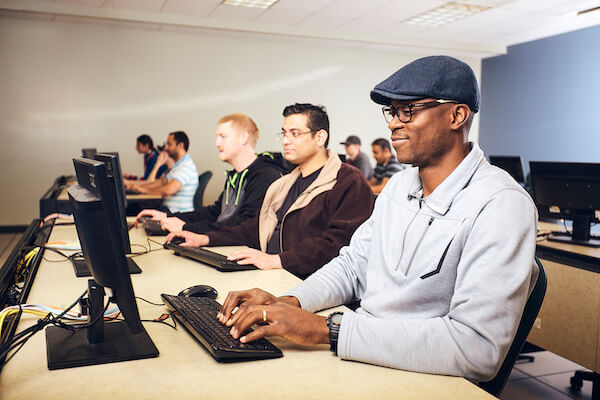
(70, 85)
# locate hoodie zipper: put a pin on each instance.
(419, 244)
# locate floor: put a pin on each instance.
(547, 378)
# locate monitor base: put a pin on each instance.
(567, 239)
(82, 270)
(66, 349)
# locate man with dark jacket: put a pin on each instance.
(308, 214)
(245, 184)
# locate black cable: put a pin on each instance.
(148, 249)
(18, 340)
(149, 302)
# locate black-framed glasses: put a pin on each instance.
(294, 134)
(404, 112)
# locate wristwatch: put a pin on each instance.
(334, 321)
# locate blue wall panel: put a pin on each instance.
(542, 99)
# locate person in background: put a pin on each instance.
(308, 214)
(386, 166)
(179, 185)
(245, 184)
(443, 267)
(144, 145)
(356, 157)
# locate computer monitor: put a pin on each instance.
(511, 164)
(570, 191)
(117, 190)
(96, 215)
(88, 153)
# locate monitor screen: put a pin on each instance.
(570, 191)
(88, 153)
(97, 220)
(511, 164)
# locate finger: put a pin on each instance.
(244, 319)
(240, 313)
(258, 333)
(246, 260)
(232, 301)
(238, 255)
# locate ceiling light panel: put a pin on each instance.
(250, 3)
(446, 13)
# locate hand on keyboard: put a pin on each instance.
(191, 239)
(172, 224)
(257, 258)
(283, 319)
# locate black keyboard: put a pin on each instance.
(199, 316)
(216, 260)
(152, 227)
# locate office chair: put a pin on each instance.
(203, 179)
(580, 376)
(530, 312)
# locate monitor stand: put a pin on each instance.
(99, 343)
(581, 233)
(81, 268)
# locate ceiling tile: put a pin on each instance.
(190, 7)
(140, 5)
(341, 12)
(286, 17)
(305, 6)
(236, 12)
(395, 12)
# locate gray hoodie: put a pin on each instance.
(442, 279)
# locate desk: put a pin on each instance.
(569, 321)
(184, 368)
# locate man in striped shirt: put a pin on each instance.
(179, 185)
(386, 165)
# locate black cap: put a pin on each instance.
(351, 140)
(438, 77)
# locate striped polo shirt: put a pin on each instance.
(184, 170)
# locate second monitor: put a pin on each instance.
(571, 191)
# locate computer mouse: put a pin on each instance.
(200, 291)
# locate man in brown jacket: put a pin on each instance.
(307, 215)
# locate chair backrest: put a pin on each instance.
(530, 312)
(203, 179)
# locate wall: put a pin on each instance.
(540, 100)
(71, 85)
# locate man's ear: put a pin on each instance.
(322, 134)
(244, 137)
(460, 116)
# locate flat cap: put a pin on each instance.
(438, 77)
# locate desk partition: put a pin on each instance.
(183, 368)
(569, 321)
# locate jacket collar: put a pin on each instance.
(442, 197)
(277, 192)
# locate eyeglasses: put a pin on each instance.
(294, 134)
(404, 112)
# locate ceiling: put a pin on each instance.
(379, 24)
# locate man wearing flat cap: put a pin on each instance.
(355, 157)
(444, 265)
